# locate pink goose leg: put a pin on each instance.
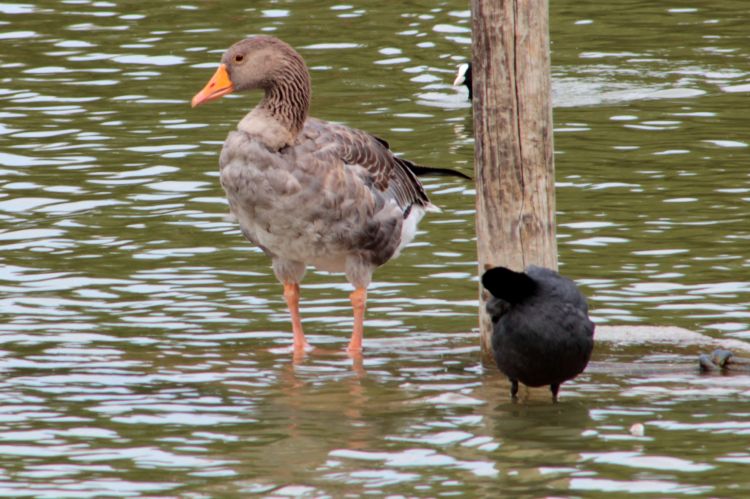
(358, 298)
(291, 295)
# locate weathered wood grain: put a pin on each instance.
(514, 166)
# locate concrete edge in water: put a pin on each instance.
(626, 335)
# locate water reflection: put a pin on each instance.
(138, 346)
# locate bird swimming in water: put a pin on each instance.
(463, 77)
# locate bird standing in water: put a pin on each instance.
(309, 192)
(541, 332)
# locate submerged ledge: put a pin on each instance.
(638, 335)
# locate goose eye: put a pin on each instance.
(239, 58)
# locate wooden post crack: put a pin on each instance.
(515, 216)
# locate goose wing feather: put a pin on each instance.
(386, 172)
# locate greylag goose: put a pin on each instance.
(463, 77)
(541, 332)
(309, 192)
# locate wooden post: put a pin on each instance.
(514, 166)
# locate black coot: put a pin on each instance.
(541, 333)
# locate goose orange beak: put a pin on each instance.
(218, 86)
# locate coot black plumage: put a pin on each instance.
(541, 333)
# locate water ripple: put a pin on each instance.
(141, 333)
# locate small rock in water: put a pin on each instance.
(637, 430)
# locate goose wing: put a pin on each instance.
(384, 171)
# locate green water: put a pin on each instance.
(139, 333)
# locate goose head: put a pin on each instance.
(269, 64)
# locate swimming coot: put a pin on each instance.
(463, 77)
